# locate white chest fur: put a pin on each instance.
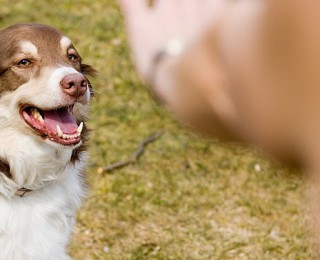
(38, 226)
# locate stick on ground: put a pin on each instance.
(134, 157)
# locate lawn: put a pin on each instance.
(186, 197)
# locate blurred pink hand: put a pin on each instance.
(150, 28)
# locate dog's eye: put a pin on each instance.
(24, 62)
(72, 57)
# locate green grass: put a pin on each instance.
(187, 198)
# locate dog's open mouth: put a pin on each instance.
(59, 125)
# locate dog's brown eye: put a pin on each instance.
(24, 62)
(72, 57)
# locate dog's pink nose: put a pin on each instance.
(74, 84)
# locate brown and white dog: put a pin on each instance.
(44, 101)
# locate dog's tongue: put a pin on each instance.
(62, 117)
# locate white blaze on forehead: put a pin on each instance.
(65, 42)
(29, 48)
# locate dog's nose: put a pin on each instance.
(74, 84)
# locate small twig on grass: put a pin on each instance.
(134, 157)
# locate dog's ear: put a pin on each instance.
(88, 70)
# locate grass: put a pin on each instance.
(187, 198)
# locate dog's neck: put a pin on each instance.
(17, 190)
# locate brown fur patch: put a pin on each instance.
(11, 76)
(88, 70)
(76, 153)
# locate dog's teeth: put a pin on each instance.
(36, 114)
(60, 133)
(66, 136)
(79, 130)
(39, 117)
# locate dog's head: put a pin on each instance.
(42, 77)
(44, 95)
